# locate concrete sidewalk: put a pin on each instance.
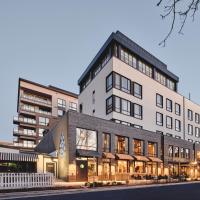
(29, 194)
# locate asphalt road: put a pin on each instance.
(182, 192)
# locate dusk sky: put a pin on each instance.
(53, 41)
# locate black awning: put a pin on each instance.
(86, 153)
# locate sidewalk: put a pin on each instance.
(17, 195)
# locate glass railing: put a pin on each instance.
(36, 99)
(23, 132)
(35, 110)
(25, 120)
(24, 145)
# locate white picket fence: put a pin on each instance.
(25, 180)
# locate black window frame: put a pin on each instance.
(139, 96)
(179, 123)
(157, 104)
(110, 109)
(169, 127)
(190, 125)
(141, 109)
(179, 109)
(170, 109)
(109, 87)
(190, 115)
(158, 122)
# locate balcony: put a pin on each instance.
(17, 132)
(18, 120)
(36, 100)
(34, 110)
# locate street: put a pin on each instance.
(182, 192)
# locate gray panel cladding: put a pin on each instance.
(77, 120)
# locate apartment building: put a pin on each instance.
(39, 108)
(128, 85)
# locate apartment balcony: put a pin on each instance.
(36, 100)
(26, 134)
(33, 111)
(18, 120)
(28, 146)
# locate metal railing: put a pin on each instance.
(25, 180)
(36, 99)
(25, 120)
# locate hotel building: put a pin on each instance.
(39, 108)
(128, 85)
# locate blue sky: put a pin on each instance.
(53, 41)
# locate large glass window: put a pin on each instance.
(117, 104)
(152, 149)
(169, 105)
(182, 153)
(169, 122)
(159, 119)
(190, 129)
(125, 83)
(106, 142)
(122, 166)
(176, 152)
(187, 153)
(137, 111)
(177, 125)
(109, 105)
(86, 139)
(121, 145)
(61, 103)
(43, 121)
(138, 147)
(145, 69)
(140, 167)
(177, 109)
(170, 151)
(159, 100)
(109, 82)
(117, 81)
(190, 115)
(137, 90)
(126, 107)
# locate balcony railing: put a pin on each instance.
(24, 120)
(36, 99)
(25, 133)
(33, 110)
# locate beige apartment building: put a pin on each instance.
(39, 107)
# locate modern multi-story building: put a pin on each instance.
(128, 85)
(39, 107)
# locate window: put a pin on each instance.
(160, 78)
(145, 69)
(61, 103)
(169, 135)
(190, 115)
(177, 109)
(121, 145)
(137, 90)
(177, 125)
(86, 139)
(170, 151)
(152, 149)
(159, 119)
(109, 82)
(187, 153)
(169, 105)
(176, 152)
(170, 84)
(117, 81)
(137, 111)
(125, 83)
(182, 153)
(41, 132)
(128, 58)
(106, 142)
(197, 118)
(190, 129)
(137, 126)
(169, 122)
(159, 100)
(190, 140)
(138, 147)
(72, 106)
(109, 105)
(43, 121)
(117, 105)
(126, 107)
(60, 113)
(197, 132)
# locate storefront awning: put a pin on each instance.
(4, 156)
(141, 158)
(86, 153)
(154, 159)
(124, 157)
(108, 155)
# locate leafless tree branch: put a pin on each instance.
(175, 9)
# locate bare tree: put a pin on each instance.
(179, 10)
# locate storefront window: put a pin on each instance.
(92, 167)
(140, 167)
(152, 168)
(86, 139)
(176, 152)
(121, 144)
(106, 142)
(152, 149)
(187, 153)
(138, 147)
(170, 151)
(122, 166)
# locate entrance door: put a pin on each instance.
(106, 171)
(82, 170)
(50, 167)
